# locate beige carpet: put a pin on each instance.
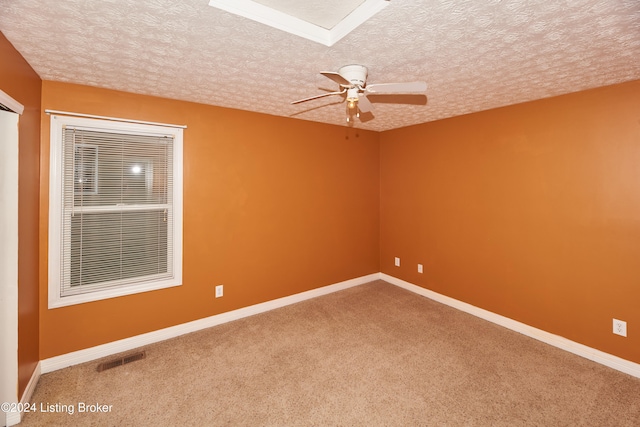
(373, 355)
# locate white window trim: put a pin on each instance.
(55, 209)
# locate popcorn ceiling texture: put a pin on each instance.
(473, 55)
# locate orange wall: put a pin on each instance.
(272, 206)
(530, 211)
(19, 81)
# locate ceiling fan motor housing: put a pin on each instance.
(356, 74)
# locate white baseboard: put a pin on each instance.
(598, 356)
(14, 418)
(97, 352)
(31, 385)
(93, 353)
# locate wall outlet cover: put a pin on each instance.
(620, 327)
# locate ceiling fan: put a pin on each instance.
(353, 82)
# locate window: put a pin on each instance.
(115, 209)
(85, 168)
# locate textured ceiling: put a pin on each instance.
(473, 55)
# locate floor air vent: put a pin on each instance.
(121, 361)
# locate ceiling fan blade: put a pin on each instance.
(397, 88)
(336, 78)
(364, 105)
(318, 96)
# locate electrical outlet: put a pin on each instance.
(219, 291)
(620, 327)
(397, 262)
(419, 268)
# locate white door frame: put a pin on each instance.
(9, 256)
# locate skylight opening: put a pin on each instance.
(325, 22)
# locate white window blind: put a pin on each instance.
(117, 221)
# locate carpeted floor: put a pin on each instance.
(373, 355)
